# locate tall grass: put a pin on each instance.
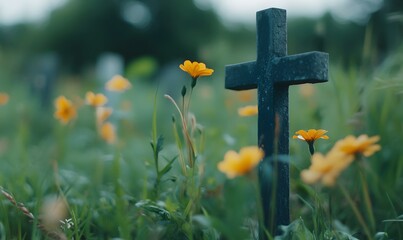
(132, 190)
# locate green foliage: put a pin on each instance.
(296, 230)
(132, 191)
(142, 68)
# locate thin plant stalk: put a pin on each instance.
(154, 133)
(330, 211)
(202, 141)
(356, 212)
(56, 235)
(311, 148)
(184, 105)
(189, 100)
(191, 152)
(121, 218)
(179, 145)
(194, 193)
(186, 114)
(367, 199)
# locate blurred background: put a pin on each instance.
(75, 35)
(53, 47)
(67, 47)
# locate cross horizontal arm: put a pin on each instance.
(240, 76)
(311, 67)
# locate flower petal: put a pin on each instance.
(118, 84)
(248, 111)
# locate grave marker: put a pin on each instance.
(109, 65)
(43, 74)
(272, 73)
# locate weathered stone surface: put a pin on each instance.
(272, 73)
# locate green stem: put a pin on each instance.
(191, 152)
(179, 145)
(330, 211)
(356, 211)
(155, 145)
(121, 217)
(154, 126)
(189, 99)
(367, 199)
(311, 147)
(183, 105)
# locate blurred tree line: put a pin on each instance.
(349, 42)
(171, 30)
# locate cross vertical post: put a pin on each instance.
(272, 73)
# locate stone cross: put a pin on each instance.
(272, 73)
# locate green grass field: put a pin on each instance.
(115, 191)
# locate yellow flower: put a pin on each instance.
(118, 84)
(248, 111)
(311, 135)
(326, 168)
(362, 145)
(102, 113)
(196, 69)
(3, 98)
(95, 100)
(108, 133)
(235, 164)
(65, 110)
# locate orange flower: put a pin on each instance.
(326, 168)
(196, 69)
(248, 111)
(362, 145)
(108, 133)
(65, 111)
(102, 113)
(235, 164)
(3, 98)
(95, 100)
(311, 135)
(118, 84)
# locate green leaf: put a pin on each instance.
(339, 235)
(295, 231)
(2, 232)
(151, 207)
(167, 167)
(381, 236)
(160, 143)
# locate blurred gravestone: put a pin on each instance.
(43, 74)
(109, 65)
